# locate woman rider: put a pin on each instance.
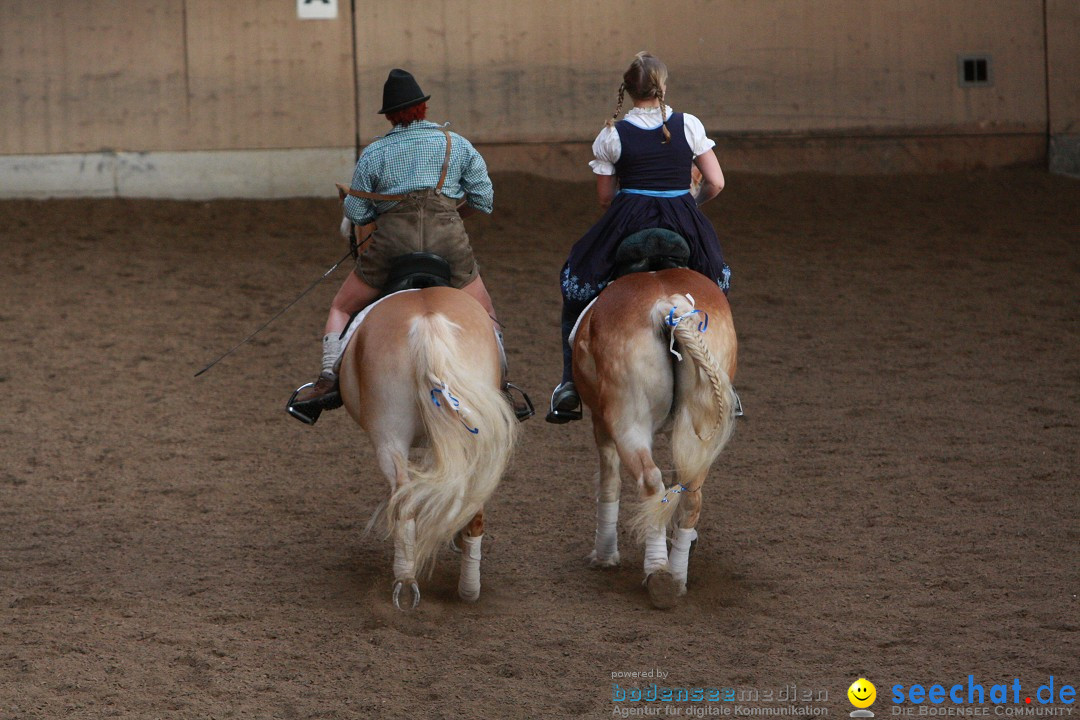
(643, 172)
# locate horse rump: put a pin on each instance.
(702, 405)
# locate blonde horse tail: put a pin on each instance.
(703, 407)
(471, 430)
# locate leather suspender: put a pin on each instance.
(445, 163)
(344, 191)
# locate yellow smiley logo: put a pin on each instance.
(862, 693)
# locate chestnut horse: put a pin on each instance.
(656, 349)
(422, 370)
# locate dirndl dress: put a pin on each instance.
(654, 180)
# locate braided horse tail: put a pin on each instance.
(703, 403)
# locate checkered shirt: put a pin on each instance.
(410, 158)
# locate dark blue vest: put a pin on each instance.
(646, 163)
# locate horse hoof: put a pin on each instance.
(413, 587)
(663, 590)
(611, 561)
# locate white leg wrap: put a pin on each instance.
(655, 551)
(405, 552)
(607, 535)
(469, 580)
(680, 554)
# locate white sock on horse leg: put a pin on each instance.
(469, 580)
(607, 535)
(656, 557)
(331, 351)
(405, 552)
(680, 553)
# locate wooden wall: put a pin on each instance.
(1063, 61)
(160, 75)
(210, 75)
(521, 72)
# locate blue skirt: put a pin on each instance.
(592, 259)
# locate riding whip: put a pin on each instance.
(279, 313)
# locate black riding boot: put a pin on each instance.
(565, 403)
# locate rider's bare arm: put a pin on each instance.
(712, 177)
(606, 187)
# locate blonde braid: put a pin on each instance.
(618, 107)
(663, 116)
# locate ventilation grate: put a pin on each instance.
(974, 70)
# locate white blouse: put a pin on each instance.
(608, 148)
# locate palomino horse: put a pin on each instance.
(656, 348)
(423, 370)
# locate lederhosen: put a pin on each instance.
(422, 221)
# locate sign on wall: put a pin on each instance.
(316, 9)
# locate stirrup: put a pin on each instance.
(521, 412)
(560, 415)
(307, 413)
(738, 405)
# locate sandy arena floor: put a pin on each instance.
(902, 502)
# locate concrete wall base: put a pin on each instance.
(178, 175)
(1065, 155)
(778, 155)
(312, 173)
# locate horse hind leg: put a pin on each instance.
(649, 526)
(394, 465)
(605, 552)
(684, 535)
(661, 585)
(472, 537)
(405, 563)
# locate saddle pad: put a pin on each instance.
(346, 336)
(573, 333)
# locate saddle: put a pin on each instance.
(651, 250)
(423, 270)
(412, 271)
(407, 272)
(416, 270)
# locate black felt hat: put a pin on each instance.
(401, 91)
